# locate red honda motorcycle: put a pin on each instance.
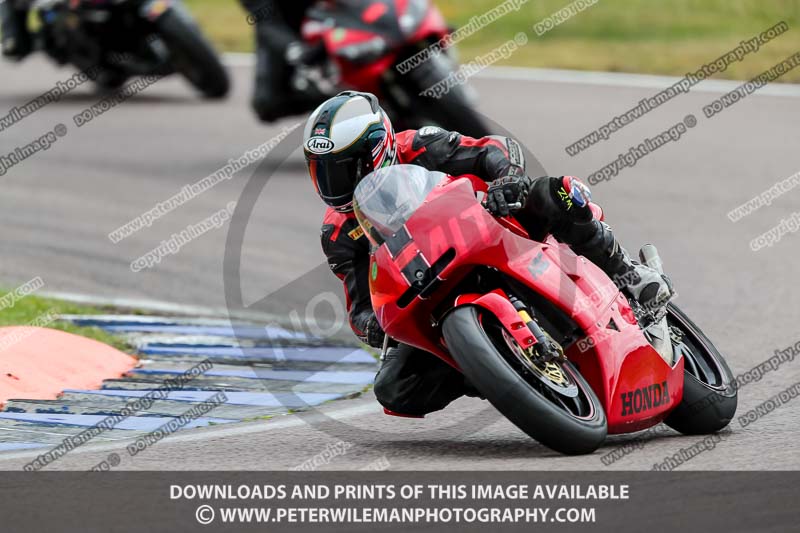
(542, 333)
(358, 44)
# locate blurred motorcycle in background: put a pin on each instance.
(359, 44)
(119, 39)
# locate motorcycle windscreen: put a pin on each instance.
(387, 198)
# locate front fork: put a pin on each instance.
(544, 347)
(518, 320)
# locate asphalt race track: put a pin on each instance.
(58, 207)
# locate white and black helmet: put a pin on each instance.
(346, 138)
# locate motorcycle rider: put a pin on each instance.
(411, 382)
(278, 49)
(16, 38)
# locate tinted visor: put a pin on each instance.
(336, 179)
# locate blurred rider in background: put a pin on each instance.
(16, 39)
(279, 48)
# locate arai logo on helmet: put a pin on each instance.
(319, 145)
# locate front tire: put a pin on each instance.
(570, 425)
(709, 388)
(191, 53)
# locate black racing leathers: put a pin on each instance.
(277, 25)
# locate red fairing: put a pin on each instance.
(433, 26)
(597, 211)
(399, 415)
(374, 12)
(367, 75)
(636, 387)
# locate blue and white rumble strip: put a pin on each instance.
(263, 372)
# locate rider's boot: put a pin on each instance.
(563, 205)
(644, 284)
(16, 39)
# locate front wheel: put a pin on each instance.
(550, 402)
(709, 389)
(191, 54)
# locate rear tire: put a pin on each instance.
(111, 80)
(191, 53)
(475, 340)
(452, 111)
(709, 390)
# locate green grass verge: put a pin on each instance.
(30, 308)
(670, 37)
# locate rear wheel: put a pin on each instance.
(551, 402)
(709, 391)
(111, 79)
(191, 54)
(452, 110)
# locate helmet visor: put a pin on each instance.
(336, 179)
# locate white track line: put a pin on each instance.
(589, 77)
(143, 304)
(171, 308)
(620, 79)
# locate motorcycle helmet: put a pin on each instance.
(346, 138)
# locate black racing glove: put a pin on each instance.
(503, 193)
(373, 333)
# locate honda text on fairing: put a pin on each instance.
(539, 331)
(114, 40)
(359, 44)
